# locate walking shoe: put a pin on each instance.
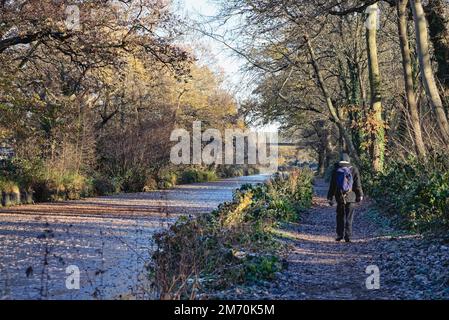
(347, 240)
(339, 239)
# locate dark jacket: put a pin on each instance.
(352, 196)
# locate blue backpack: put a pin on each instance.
(345, 179)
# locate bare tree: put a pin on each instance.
(408, 78)
(332, 110)
(378, 139)
(428, 76)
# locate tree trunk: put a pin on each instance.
(329, 103)
(328, 147)
(428, 77)
(378, 136)
(321, 162)
(325, 150)
(355, 115)
(408, 79)
(438, 17)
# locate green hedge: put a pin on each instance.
(45, 183)
(233, 244)
(197, 175)
(62, 186)
(416, 195)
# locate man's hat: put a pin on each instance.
(344, 157)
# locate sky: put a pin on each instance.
(224, 59)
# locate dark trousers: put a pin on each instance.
(345, 215)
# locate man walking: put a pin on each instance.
(346, 187)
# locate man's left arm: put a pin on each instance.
(332, 187)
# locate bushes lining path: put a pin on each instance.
(411, 266)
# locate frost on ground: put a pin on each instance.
(107, 238)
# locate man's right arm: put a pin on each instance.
(332, 187)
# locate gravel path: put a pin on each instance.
(411, 266)
(107, 238)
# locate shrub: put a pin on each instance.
(189, 176)
(57, 186)
(167, 179)
(103, 186)
(18, 176)
(9, 191)
(150, 184)
(230, 171)
(118, 182)
(76, 186)
(208, 175)
(264, 267)
(8, 186)
(416, 195)
(233, 244)
(42, 191)
(197, 175)
(252, 171)
(132, 180)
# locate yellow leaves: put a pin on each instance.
(137, 66)
(4, 133)
(199, 88)
(107, 75)
(202, 98)
(49, 22)
(372, 126)
(350, 109)
(37, 101)
(370, 123)
(236, 216)
(374, 123)
(277, 51)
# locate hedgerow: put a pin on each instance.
(233, 244)
(414, 194)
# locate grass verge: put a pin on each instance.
(234, 244)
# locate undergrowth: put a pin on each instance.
(234, 244)
(414, 195)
